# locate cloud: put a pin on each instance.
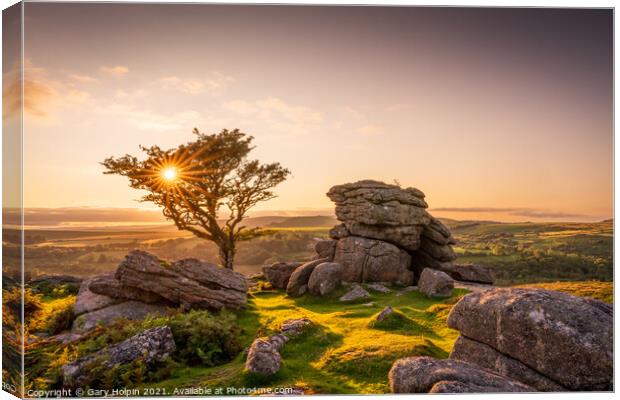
(116, 71)
(213, 82)
(371, 130)
(42, 95)
(519, 212)
(149, 120)
(277, 114)
(83, 78)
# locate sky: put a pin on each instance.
(501, 114)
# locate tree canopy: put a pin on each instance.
(205, 186)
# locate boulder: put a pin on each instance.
(369, 260)
(563, 337)
(298, 282)
(325, 249)
(384, 314)
(263, 358)
(188, 283)
(279, 273)
(294, 327)
(356, 293)
(378, 287)
(88, 301)
(426, 374)
(149, 346)
(461, 387)
(468, 272)
(380, 211)
(131, 310)
(110, 286)
(474, 352)
(325, 278)
(435, 283)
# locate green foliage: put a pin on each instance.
(60, 320)
(52, 291)
(205, 339)
(201, 338)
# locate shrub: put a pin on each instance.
(12, 300)
(60, 319)
(203, 338)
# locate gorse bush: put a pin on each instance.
(60, 317)
(206, 339)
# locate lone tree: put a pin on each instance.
(195, 181)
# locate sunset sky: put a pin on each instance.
(494, 114)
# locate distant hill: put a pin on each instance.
(298, 222)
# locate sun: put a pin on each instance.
(169, 174)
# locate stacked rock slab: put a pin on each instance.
(386, 235)
(550, 340)
(188, 283)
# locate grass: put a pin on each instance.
(343, 352)
(597, 290)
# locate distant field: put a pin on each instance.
(515, 252)
(538, 252)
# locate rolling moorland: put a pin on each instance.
(515, 252)
(343, 352)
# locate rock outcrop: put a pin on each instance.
(131, 310)
(189, 283)
(468, 273)
(279, 273)
(370, 260)
(533, 339)
(264, 357)
(563, 338)
(264, 353)
(435, 283)
(429, 375)
(298, 281)
(150, 346)
(357, 292)
(380, 211)
(325, 248)
(325, 278)
(485, 356)
(387, 235)
(88, 301)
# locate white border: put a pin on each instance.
(477, 3)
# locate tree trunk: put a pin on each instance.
(227, 255)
